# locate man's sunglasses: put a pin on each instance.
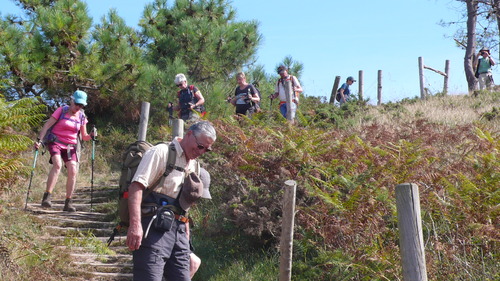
(80, 105)
(200, 146)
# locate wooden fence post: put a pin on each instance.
(447, 72)
(379, 92)
(286, 244)
(360, 85)
(143, 124)
(177, 128)
(421, 77)
(288, 92)
(410, 232)
(334, 89)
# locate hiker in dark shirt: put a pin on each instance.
(344, 93)
(190, 99)
(245, 96)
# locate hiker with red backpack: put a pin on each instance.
(280, 91)
(61, 135)
(158, 232)
(190, 99)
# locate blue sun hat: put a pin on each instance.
(80, 97)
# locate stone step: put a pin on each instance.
(72, 231)
(102, 276)
(58, 205)
(86, 200)
(108, 259)
(57, 210)
(118, 244)
(77, 222)
(106, 267)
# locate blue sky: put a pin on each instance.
(339, 38)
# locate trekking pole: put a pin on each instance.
(31, 178)
(94, 135)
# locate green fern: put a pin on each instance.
(16, 118)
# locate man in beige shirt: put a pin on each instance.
(160, 241)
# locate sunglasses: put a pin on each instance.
(200, 146)
(79, 104)
(179, 85)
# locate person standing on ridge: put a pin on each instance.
(483, 70)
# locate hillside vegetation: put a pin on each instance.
(347, 162)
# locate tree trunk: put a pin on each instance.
(470, 50)
(496, 8)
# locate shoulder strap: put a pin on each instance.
(63, 111)
(172, 155)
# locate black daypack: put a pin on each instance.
(256, 105)
(130, 161)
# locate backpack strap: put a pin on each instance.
(170, 166)
(294, 95)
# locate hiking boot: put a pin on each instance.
(46, 200)
(68, 205)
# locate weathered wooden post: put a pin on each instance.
(379, 88)
(177, 128)
(421, 77)
(286, 244)
(288, 93)
(143, 125)
(410, 232)
(447, 72)
(334, 89)
(360, 85)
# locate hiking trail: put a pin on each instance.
(83, 231)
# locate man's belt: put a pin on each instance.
(149, 209)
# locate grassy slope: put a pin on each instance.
(347, 163)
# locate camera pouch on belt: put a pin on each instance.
(164, 219)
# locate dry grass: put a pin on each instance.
(447, 110)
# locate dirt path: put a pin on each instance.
(86, 232)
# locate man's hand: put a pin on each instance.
(134, 236)
(135, 232)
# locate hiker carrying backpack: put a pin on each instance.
(280, 92)
(61, 135)
(130, 162)
(190, 98)
(160, 221)
(246, 96)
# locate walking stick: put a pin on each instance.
(94, 135)
(31, 178)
